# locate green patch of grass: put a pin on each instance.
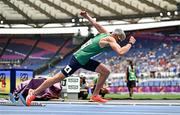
(143, 96)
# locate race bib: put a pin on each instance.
(67, 69)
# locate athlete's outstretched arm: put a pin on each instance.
(121, 50)
(99, 28)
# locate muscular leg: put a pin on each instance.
(49, 82)
(104, 73)
(68, 70)
(131, 91)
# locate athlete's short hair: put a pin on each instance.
(120, 32)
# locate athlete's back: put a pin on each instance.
(90, 49)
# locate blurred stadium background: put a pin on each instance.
(42, 35)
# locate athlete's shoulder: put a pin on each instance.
(110, 39)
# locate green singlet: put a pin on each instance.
(90, 49)
(132, 74)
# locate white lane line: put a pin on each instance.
(86, 112)
(115, 103)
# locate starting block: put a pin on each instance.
(20, 102)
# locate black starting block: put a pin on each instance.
(20, 102)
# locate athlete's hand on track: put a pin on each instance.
(132, 40)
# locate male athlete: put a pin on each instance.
(131, 78)
(82, 59)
